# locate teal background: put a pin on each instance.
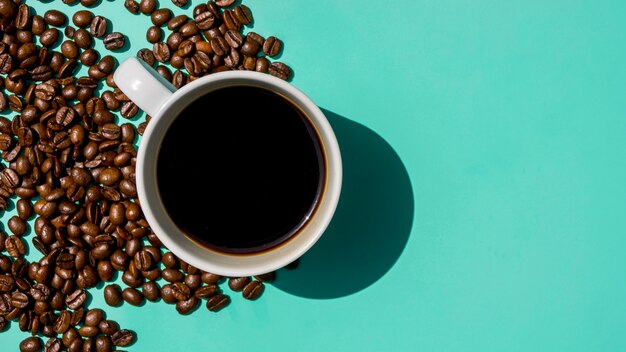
(484, 206)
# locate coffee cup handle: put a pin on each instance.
(143, 85)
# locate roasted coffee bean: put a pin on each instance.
(98, 27)
(217, 302)
(114, 41)
(253, 290)
(146, 55)
(272, 46)
(161, 16)
(129, 110)
(168, 294)
(69, 31)
(220, 46)
(93, 317)
(31, 344)
(108, 327)
(82, 18)
(154, 34)
(181, 291)
(132, 6)
(55, 18)
(206, 291)
(176, 22)
(88, 331)
(238, 283)
(105, 270)
(187, 306)
(280, 70)
(76, 299)
(53, 345)
(88, 57)
(17, 225)
(243, 14)
(151, 291)
(69, 49)
(113, 295)
(132, 296)
(122, 337)
(172, 275)
(147, 6)
(210, 278)
(188, 29)
(143, 260)
(49, 37)
(19, 300)
(82, 38)
(230, 20)
(63, 322)
(234, 38)
(161, 52)
(14, 246)
(205, 20)
(250, 48)
(169, 260)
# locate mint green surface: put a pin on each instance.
(484, 206)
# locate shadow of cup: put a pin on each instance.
(371, 225)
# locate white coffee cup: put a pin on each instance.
(163, 102)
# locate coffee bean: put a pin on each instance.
(69, 49)
(210, 278)
(76, 299)
(272, 46)
(49, 37)
(161, 16)
(122, 337)
(132, 296)
(83, 39)
(93, 317)
(17, 225)
(63, 322)
(243, 14)
(205, 20)
(132, 6)
(113, 295)
(53, 345)
(88, 331)
(238, 283)
(234, 38)
(250, 48)
(230, 20)
(55, 18)
(206, 291)
(98, 27)
(172, 275)
(161, 52)
(181, 291)
(147, 6)
(114, 41)
(154, 34)
(253, 290)
(280, 70)
(15, 247)
(176, 22)
(187, 306)
(129, 110)
(31, 344)
(19, 300)
(82, 18)
(143, 260)
(217, 302)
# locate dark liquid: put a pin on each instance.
(240, 170)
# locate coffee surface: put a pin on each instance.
(240, 170)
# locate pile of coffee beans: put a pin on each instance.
(69, 152)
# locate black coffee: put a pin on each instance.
(240, 170)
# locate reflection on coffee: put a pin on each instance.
(240, 170)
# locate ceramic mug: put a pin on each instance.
(163, 102)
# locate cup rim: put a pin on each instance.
(225, 264)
